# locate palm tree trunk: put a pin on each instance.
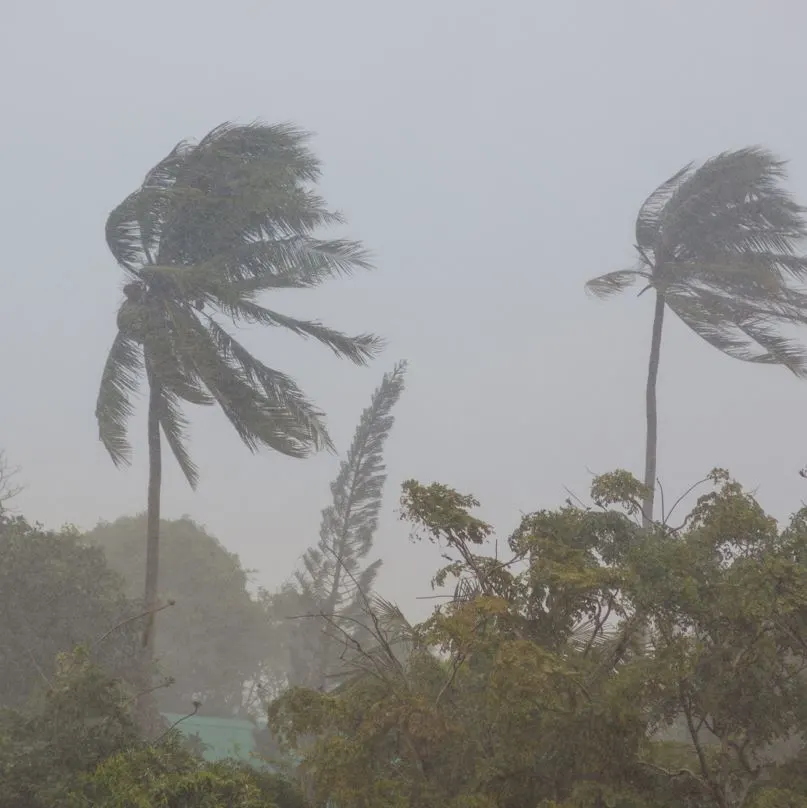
(152, 516)
(651, 445)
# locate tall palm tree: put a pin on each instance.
(717, 245)
(214, 225)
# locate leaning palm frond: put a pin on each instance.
(613, 282)
(120, 381)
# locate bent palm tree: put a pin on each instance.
(212, 227)
(717, 245)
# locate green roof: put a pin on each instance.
(223, 737)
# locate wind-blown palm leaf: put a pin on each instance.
(213, 226)
(613, 282)
(359, 349)
(332, 575)
(280, 390)
(174, 426)
(293, 262)
(120, 381)
(648, 222)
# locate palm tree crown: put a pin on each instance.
(718, 243)
(214, 225)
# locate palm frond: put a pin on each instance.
(257, 421)
(280, 390)
(120, 380)
(648, 222)
(737, 331)
(613, 282)
(284, 144)
(359, 349)
(778, 350)
(254, 184)
(164, 355)
(732, 204)
(291, 262)
(174, 426)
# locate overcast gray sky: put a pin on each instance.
(491, 153)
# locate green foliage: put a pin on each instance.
(196, 644)
(529, 688)
(332, 587)
(67, 729)
(76, 744)
(166, 775)
(213, 226)
(57, 591)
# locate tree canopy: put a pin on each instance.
(535, 686)
(57, 591)
(76, 745)
(215, 636)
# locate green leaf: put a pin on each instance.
(120, 379)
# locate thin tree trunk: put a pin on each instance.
(152, 516)
(651, 446)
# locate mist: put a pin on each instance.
(492, 157)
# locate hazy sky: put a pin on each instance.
(492, 155)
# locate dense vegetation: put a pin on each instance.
(609, 656)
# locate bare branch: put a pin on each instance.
(8, 487)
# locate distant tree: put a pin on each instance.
(56, 592)
(213, 639)
(332, 583)
(213, 226)
(717, 246)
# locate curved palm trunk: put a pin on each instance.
(651, 445)
(152, 516)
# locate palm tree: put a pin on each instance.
(717, 246)
(214, 225)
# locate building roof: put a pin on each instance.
(223, 737)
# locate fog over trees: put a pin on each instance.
(522, 549)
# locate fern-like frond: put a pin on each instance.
(332, 568)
